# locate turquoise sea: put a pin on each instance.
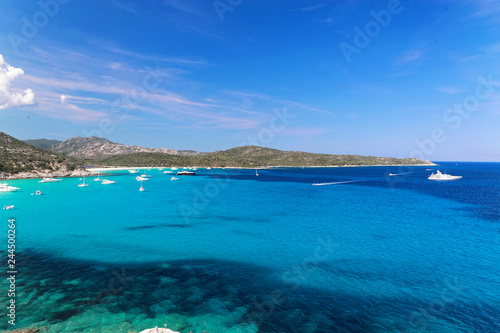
(229, 251)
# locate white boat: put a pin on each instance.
(256, 173)
(4, 187)
(209, 168)
(174, 178)
(140, 178)
(393, 174)
(50, 180)
(84, 184)
(145, 176)
(133, 171)
(8, 207)
(167, 171)
(38, 192)
(98, 179)
(107, 182)
(186, 173)
(174, 168)
(443, 176)
(141, 188)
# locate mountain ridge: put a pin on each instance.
(17, 157)
(96, 148)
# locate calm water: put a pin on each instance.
(368, 253)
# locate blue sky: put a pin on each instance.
(422, 81)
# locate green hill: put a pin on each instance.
(18, 156)
(42, 143)
(253, 157)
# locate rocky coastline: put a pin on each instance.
(44, 173)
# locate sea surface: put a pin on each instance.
(229, 251)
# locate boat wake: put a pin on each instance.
(336, 183)
(399, 174)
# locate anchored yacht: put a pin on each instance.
(442, 176)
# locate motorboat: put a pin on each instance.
(174, 168)
(50, 180)
(145, 176)
(168, 171)
(442, 176)
(133, 171)
(4, 187)
(38, 192)
(8, 207)
(174, 178)
(186, 173)
(108, 182)
(140, 178)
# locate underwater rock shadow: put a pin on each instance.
(188, 287)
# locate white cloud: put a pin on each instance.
(9, 97)
(64, 98)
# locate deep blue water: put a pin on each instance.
(368, 253)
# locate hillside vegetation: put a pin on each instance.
(43, 143)
(18, 156)
(253, 156)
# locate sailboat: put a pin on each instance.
(84, 184)
(98, 179)
(256, 173)
(141, 188)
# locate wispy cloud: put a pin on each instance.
(485, 9)
(329, 21)
(184, 6)
(492, 49)
(127, 6)
(410, 56)
(308, 8)
(449, 90)
(150, 57)
(280, 101)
